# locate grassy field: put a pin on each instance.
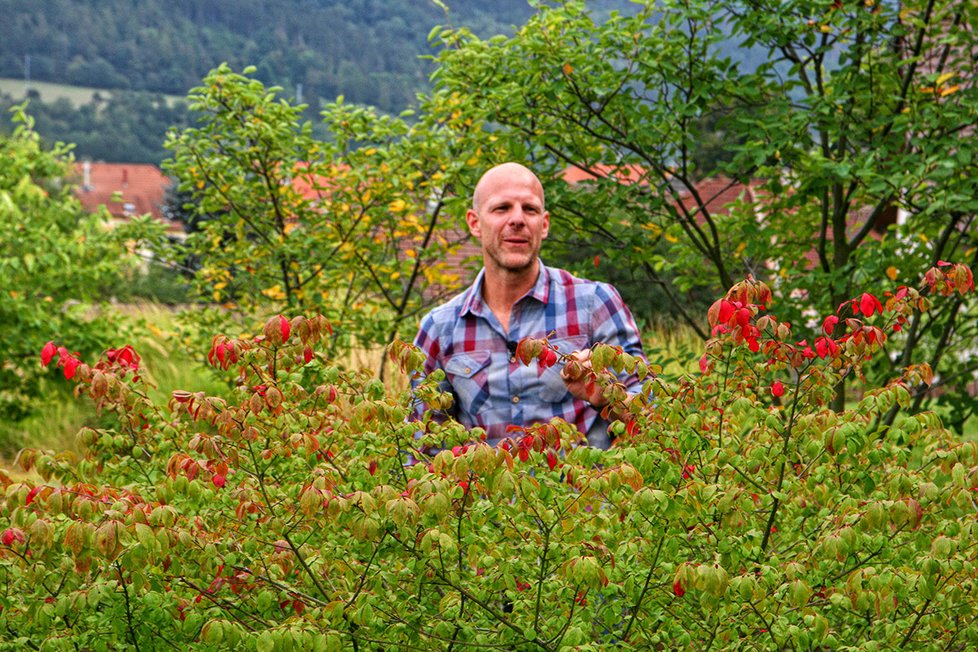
(77, 95)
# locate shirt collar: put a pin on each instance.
(540, 291)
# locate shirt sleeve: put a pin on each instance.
(612, 323)
(429, 342)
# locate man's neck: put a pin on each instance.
(501, 289)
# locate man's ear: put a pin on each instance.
(546, 225)
(473, 221)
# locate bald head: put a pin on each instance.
(505, 174)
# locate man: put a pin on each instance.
(473, 337)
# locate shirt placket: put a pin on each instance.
(523, 323)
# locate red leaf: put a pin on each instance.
(704, 364)
(829, 324)
(219, 480)
(71, 364)
(547, 359)
(12, 534)
(372, 467)
(286, 328)
(678, 589)
(47, 353)
(31, 495)
(743, 317)
(551, 459)
(868, 304)
(726, 311)
(777, 388)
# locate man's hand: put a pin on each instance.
(577, 375)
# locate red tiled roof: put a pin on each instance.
(125, 189)
(716, 194)
(626, 174)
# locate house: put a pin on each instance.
(125, 189)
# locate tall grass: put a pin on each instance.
(673, 346)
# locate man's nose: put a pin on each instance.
(517, 218)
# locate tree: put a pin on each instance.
(856, 115)
(54, 259)
(354, 227)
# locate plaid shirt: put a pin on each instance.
(492, 389)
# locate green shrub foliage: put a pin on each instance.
(736, 510)
(55, 262)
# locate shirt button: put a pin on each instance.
(512, 360)
(468, 370)
(516, 399)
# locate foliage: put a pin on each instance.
(855, 118)
(367, 50)
(354, 227)
(737, 511)
(126, 127)
(54, 260)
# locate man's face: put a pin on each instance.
(509, 218)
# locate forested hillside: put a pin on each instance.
(370, 51)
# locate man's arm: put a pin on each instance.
(611, 323)
(428, 341)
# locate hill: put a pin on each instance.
(370, 51)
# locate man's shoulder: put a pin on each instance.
(449, 310)
(579, 286)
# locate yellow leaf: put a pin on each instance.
(274, 292)
(891, 272)
(950, 89)
(671, 238)
(943, 78)
(397, 206)
(740, 249)
(220, 286)
(568, 69)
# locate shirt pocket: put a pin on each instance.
(552, 386)
(468, 374)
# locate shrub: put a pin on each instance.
(736, 511)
